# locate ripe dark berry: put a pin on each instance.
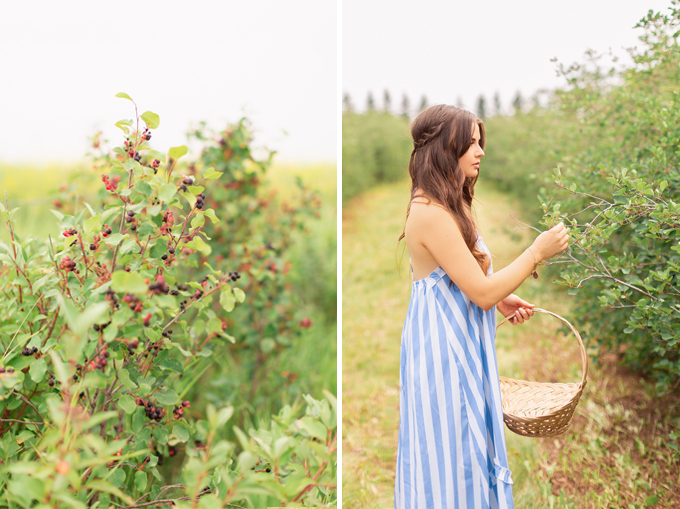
(34, 349)
(10, 370)
(187, 181)
(199, 205)
(108, 231)
(183, 188)
(268, 469)
(171, 250)
(131, 213)
(75, 377)
(2, 369)
(51, 383)
(174, 292)
(133, 227)
(129, 219)
(164, 257)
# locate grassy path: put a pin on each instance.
(569, 471)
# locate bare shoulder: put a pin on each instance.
(426, 217)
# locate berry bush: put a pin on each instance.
(603, 158)
(110, 333)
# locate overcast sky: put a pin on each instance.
(450, 49)
(61, 64)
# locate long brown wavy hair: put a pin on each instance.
(441, 136)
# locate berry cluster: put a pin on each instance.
(98, 327)
(71, 232)
(101, 361)
(29, 351)
(132, 345)
(179, 409)
(146, 135)
(95, 243)
(110, 184)
(234, 275)
(305, 323)
(133, 302)
(186, 181)
(169, 259)
(152, 412)
(68, 265)
(111, 297)
(6, 370)
(152, 350)
(130, 219)
(160, 286)
(107, 231)
(154, 165)
(200, 201)
(168, 222)
(51, 381)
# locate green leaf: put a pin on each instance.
(117, 478)
(159, 249)
(198, 220)
(143, 188)
(181, 432)
(313, 427)
(172, 365)
(140, 480)
(652, 500)
(128, 282)
(239, 294)
(167, 397)
(160, 434)
(123, 95)
(38, 369)
(152, 120)
(211, 214)
(177, 152)
(227, 299)
(138, 419)
(167, 192)
(127, 403)
(92, 224)
(211, 173)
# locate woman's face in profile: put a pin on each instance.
(469, 162)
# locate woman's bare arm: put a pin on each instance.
(438, 232)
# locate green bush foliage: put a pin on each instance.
(111, 334)
(376, 147)
(615, 135)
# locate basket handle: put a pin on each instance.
(584, 356)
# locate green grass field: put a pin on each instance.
(590, 466)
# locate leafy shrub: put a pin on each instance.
(617, 182)
(376, 147)
(108, 332)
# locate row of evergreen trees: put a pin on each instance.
(482, 110)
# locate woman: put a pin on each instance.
(451, 451)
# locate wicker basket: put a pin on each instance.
(535, 409)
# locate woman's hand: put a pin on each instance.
(513, 305)
(551, 242)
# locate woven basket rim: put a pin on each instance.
(584, 356)
(577, 395)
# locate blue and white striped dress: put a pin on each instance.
(451, 451)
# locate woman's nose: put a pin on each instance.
(480, 153)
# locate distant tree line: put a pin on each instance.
(518, 104)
